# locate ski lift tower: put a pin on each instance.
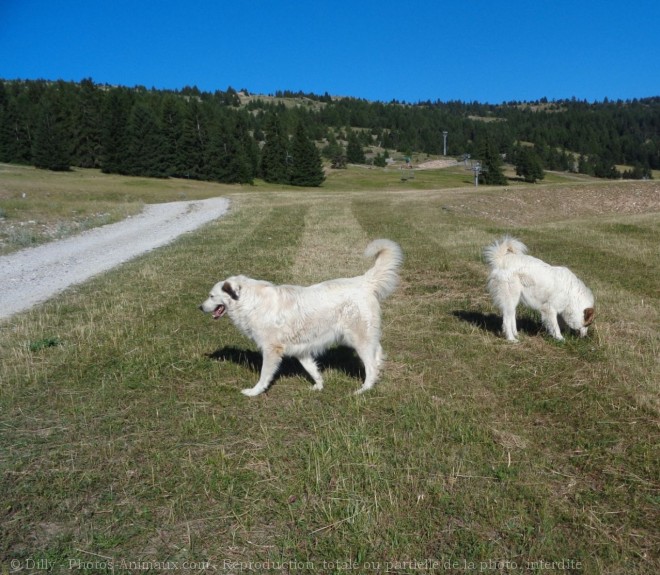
(444, 140)
(477, 169)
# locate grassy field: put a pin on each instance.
(125, 442)
(38, 206)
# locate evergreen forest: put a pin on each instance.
(234, 137)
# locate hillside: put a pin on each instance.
(223, 136)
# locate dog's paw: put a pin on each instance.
(317, 386)
(251, 391)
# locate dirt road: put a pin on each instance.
(33, 275)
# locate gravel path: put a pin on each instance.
(33, 275)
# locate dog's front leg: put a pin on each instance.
(271, 361)
(549, 318)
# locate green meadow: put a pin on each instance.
(126, 445)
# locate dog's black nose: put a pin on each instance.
(200, 308)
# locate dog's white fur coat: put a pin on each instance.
(302, 322)
(554, 291)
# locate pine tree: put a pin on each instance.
(306, 168)
(116, 110)
(491, 162)
(354, 151)
(194, 139)
(250, 146)
(145, 143)
(87, 126)
(528, 165)
(380, 160)
(333, 148)
(171, 121)
(5, 133)
(51, 145)
(6, 140)
(227, 160)
(275, 153)
(584, 166)
(15, 144)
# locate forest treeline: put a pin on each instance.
(222, 137)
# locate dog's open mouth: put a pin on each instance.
(219, 311)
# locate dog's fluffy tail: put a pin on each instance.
(494, 253)
(383, 277)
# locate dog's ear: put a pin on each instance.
(589, 315)
(231, 290)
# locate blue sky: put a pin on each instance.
(410, 51)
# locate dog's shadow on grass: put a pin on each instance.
(492, 323)
(341, 358)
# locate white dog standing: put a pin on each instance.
(302, 322)
(552, 290)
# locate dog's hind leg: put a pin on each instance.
(271, 361)
(310, 366)
(509, 326)
(371, 357)
(506, 294)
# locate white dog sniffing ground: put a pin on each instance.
(302, 322)
(554, 291)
